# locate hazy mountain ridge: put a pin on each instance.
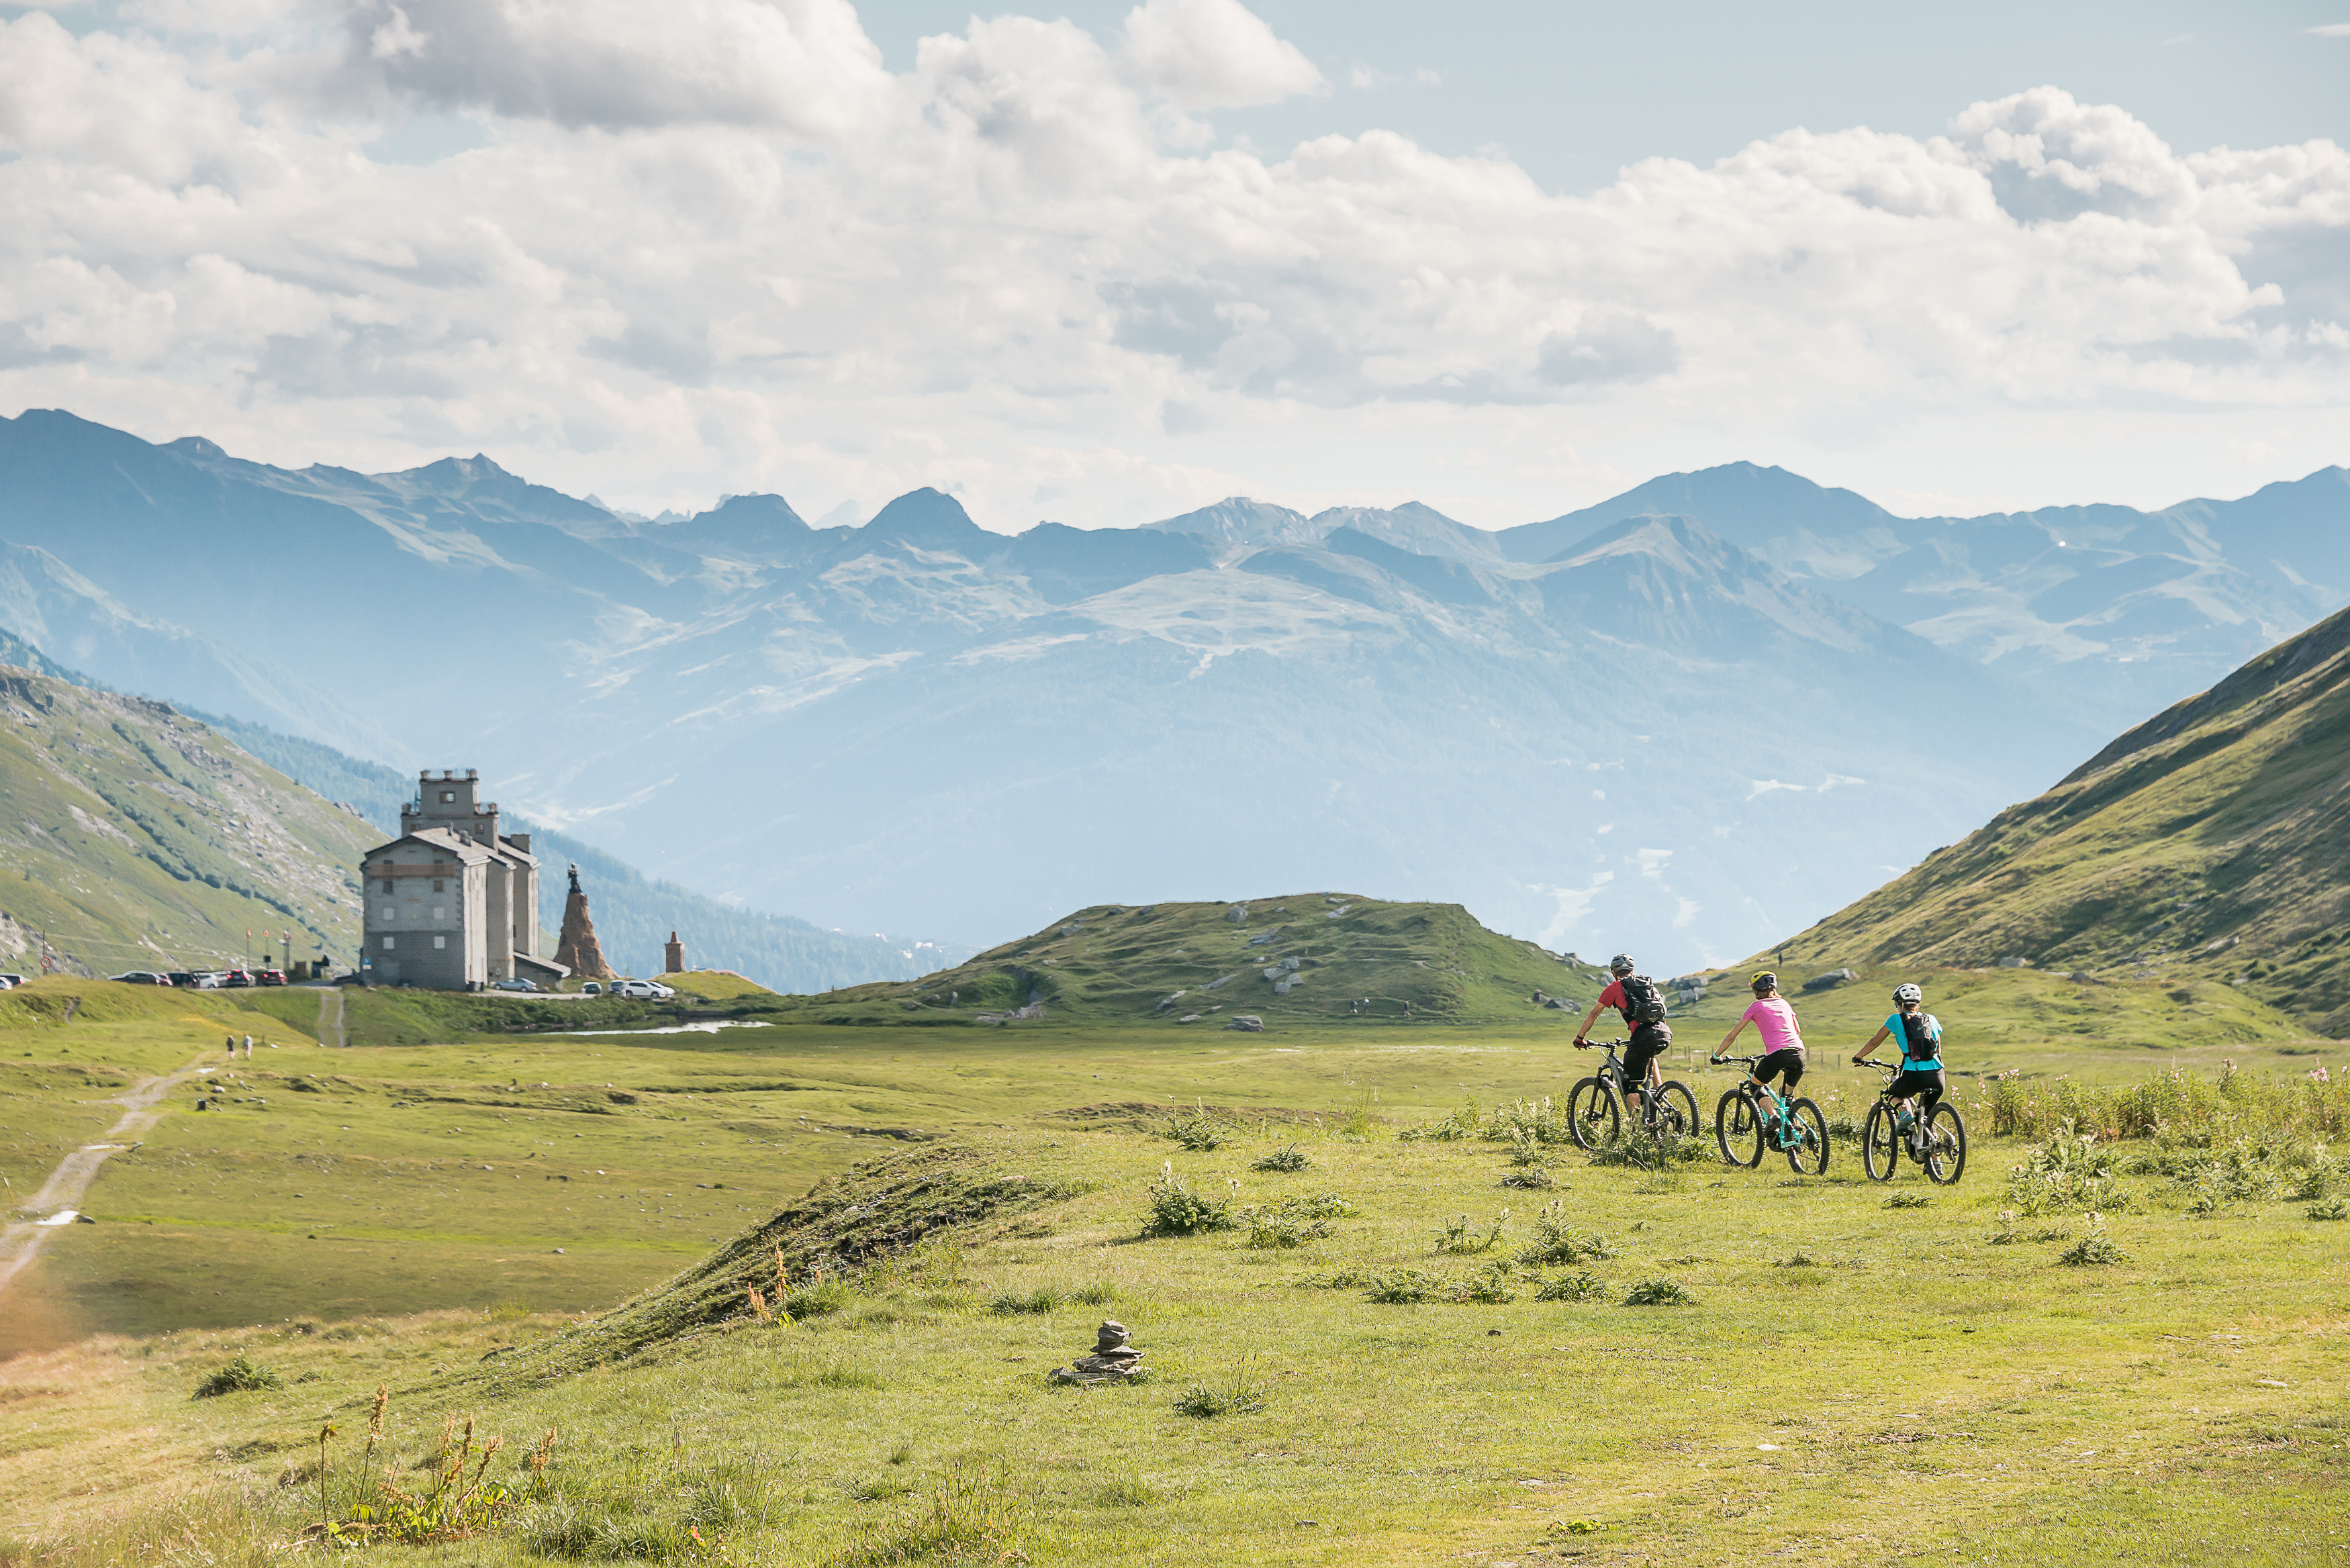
(1099, 714)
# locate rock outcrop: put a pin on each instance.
(576, 949)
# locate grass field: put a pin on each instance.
(1850, 1381)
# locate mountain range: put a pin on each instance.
(1685, 720)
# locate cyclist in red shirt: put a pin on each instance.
(1648, 1041)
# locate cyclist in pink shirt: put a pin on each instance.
(1783, 1042)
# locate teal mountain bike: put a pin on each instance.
(1750, 1121)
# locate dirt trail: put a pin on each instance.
(331, 1011)
(53, 1205)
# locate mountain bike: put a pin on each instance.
(1747, 1121)
(1595, 1106)
(1938, 1142)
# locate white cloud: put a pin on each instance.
(2330, 30)
(1212, 54)
(721, 247)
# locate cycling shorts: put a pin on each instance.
(1929, 1085)
(1647, 1043)
(1789, 1061)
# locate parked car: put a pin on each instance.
(208, 980)
(142, 977)
(11, 982)
(269, 976)
(643, 989)
(182, 978)
(232, 979)
(592, 988)
(517, 983)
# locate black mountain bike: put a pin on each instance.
(1938, 1142)
(1595, 1106)
(1748, 1121)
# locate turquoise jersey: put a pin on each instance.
(1901, 1038)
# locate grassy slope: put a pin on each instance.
(2210, 846)
(137, 838)
(1119, 963)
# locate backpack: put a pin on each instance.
(1921, 1036)
(1642, 1000)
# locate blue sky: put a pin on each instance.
(1109, 261)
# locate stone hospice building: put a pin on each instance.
(452, 903)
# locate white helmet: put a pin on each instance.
(1908, 994)
(1621, 964)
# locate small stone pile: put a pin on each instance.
(1113, 1361)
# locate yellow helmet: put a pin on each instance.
(1763, 980)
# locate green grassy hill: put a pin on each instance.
(134, 837)
(2210, 845)
(1308, 957)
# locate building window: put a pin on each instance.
(448, 797)
(439, 942)
(436, 884)
(439, 914)
(391, 911)
(387, 884)
(386, 944)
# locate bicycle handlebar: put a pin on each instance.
(1749, 1060)
(1886, 1068)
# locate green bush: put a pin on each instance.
(1237, 1396)
(1015, 1303)
(1288, 1157)
(1199, 1130)
(1556, 1240)
(1406, 1287)
(1583, 1287)
(2066, 1173)
(1659, 1293)
(1175, 1211)
(2093, 1249)
(242, 1375)
(1462, 1236)
(2339, 1209)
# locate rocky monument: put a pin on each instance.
(1113, 1361)
(578, 949)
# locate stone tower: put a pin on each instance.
(673, 954)
(578, 949)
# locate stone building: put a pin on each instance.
(576, 948)
(673, 955)
(452, 903)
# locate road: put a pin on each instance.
(53, 1206)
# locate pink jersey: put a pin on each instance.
(1775, 1021)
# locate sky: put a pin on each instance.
(1105, 262)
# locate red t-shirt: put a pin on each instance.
(1614, 997)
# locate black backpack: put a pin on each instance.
(1642, 1000)
(1920, 1036)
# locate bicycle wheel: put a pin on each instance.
(1737, 1130)
(1676, 1110)
(1594, 1115)
(1880, 1144)
(1946, 1144)
(1807, 1139)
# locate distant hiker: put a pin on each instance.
(231, 1047)
(1783, 1042)
(1920, 1034)
(248, 1047)
(1635, 996)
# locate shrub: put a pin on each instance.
(1282, 1224)
(1659, 1293)
(1239, 1395)
(2339, 1209)
(1533, 1178)
(1490, 1286)
(1530, 1123)
(972, 1517)
(1908, 1200)
(2093, 1249)
(1558, 1242)
(818, 1296)
(1175, 1211)
(1462, 1237)
(1101, 1292)
(1289, 1156)
(1638, 1149)
(1405, 1287)
(1013, 1303)
(1198, 1129)
(1462, 1124)
(1583, 1287)
(2066, 1173)
(1339, 1280)
(242, 1375)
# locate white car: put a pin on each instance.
(643, 989)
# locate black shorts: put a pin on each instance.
(1911, 1082)
(1647, 1043)
(1789, 1061)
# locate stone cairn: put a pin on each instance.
(1113, 1361)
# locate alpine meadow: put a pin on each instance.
(787, 784)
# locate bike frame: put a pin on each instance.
(1611, 1072)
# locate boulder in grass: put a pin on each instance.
(1247, 1023)
(1830, 981)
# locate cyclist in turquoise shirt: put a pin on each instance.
(1920, 1034)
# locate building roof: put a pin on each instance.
(467, 851)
